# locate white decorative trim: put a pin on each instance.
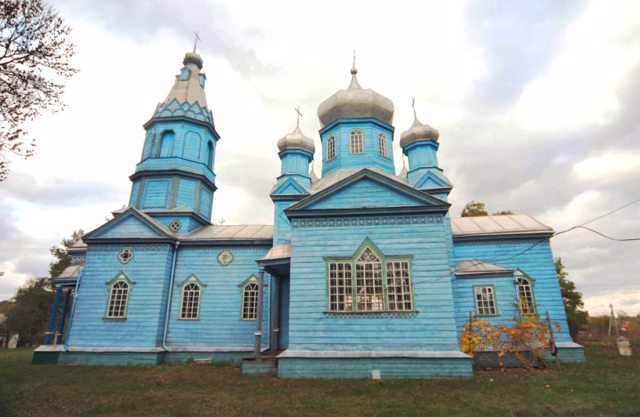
(367, 221)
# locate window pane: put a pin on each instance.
(250, 302)
(399, 286)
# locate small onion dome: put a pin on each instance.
(296, 140)
(192, 58)
(418, 131)
(355, 102)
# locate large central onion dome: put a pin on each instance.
(355, 102)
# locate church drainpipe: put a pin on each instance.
(258, 333)
(73, 310)
(170, 297)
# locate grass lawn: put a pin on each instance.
(607, 385)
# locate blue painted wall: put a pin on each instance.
(536, 262)
(370, 158)
(149, 270)
(423, 237)
(220, 322)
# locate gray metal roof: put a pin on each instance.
(189, 90)
(475, 266)
(497, 225)
(296, 140)
(70, 272)
(355, 102)
(418, 131)
(231, 232)
(278, 252)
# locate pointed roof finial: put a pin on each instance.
(354, 70)
(297, 109)
(195, 42)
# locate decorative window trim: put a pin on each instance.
(383, 145)
(120, 277)
(522, 281)
(193, 279)
(125, 255)
(356, 141)
(225, 257)
(175, 226)
(253, 313)
(351, 301)
(331, 148)
(477, 288)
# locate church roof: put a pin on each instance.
(70, 272)
(498, 225)
(355, 102)
(418, 131)
(296, 140)
(478, 267)
(188, 88)
(231, 232)
(339, 175)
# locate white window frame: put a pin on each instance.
(526, 299)
(356, 141)
(383, 145)
(191, 298)
(118, 299)
(369, 282)
(248, 291)
(331, 148)
(485, 299)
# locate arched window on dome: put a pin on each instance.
(356, 142)
(166, 143)
(383, 149)
(331, 148)
(525, 295)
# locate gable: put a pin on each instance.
(431, 180)
(290, 186)
(366, 192)
(127, 225)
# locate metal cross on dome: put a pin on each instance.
(297, 109)
(195, 42)
(413, 105)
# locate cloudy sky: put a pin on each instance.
(536, 102)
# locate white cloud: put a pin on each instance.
(10, 280)
(607, 167)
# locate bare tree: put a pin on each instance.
(34, 58)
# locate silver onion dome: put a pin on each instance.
(418, 131)
(192, 58)
(355, 102)
(296, 140)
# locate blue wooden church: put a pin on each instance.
(363, 272)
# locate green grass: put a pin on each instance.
(607, 385)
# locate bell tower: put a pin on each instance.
(174, 181)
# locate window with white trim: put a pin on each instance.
(382, 145)
(250, 301)
(485, 301)
(331, 148)
(356, 141)
(190, 302)
(525, 295)
(118, 298)
(369, 282)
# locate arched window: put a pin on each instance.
(331, 148)
(525, 294)
(190, 301)
(185, 73)
(210, 155)
(381, 283)
(166, 145)
(118, 297)
(356, 142)
(250, 301)
(383, 150)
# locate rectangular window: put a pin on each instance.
(399, 286)
(340, 287)
(485, 301)
(369, 287)
(250, 301)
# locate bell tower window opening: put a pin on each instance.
(383, 150)
(210, 155)
(356, 142)
(166, 144)
(331, 148)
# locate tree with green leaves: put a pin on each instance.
(34, 56)
(474, 209)
(30, 312)
(60, 253)
(572, 300)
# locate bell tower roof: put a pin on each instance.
(189, 84)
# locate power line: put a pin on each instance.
(609, 237)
